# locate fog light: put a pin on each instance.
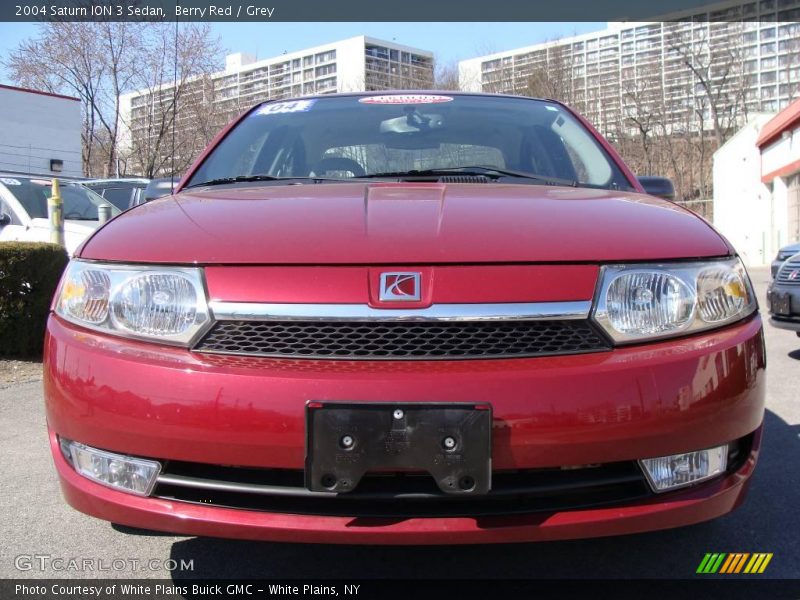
(667, 473)
(124, 473)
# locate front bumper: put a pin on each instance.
(788, 297)
(630, 403)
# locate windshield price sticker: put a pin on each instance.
(8, 181)
(286, 107)
(406, 99)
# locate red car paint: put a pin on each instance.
(328, 244)
(406, 223)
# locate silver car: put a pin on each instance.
(783, 296)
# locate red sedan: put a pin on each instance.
(406, 318)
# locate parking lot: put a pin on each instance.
(34, 520)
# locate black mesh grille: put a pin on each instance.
(463, 179)
(397, 340)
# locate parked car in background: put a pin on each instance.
(160, 187)
(783, 254)
(783, 295)
(123, 193)
(23, 210)
(406, 318)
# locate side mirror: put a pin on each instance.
(658, 186)
(5, 219)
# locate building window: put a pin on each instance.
(326, 70)
(326, 85)
(610, 40)
(324, 57)
(789, 15)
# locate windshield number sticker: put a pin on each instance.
(406, 99)
(9, 181)
(286, 107)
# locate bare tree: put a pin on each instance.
(716, 64)
(641, 101)
(100, 61)
(445, 76)
(175, 81)
(550, 76)
(121, 45)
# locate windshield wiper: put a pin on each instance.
(490, 172)
(246, 178)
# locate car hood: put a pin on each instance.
(403, 223)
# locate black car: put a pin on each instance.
(783, 255)
(122, 193)
(783, 296)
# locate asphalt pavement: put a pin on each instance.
(35, 522)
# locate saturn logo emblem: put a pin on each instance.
(400, 287)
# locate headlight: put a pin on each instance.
(124, 473)
(667, 473)
(167, 304)
(643, 302)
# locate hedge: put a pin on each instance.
(29, 274)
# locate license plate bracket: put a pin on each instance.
(452, 442)
(781, 303)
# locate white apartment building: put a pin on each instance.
(356, 64)
(749, 46)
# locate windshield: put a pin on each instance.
(348, 137)
(80, 203)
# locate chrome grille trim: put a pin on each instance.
(232, 486)
(786, 269)
(515, 311)
(203, 484)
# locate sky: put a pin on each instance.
(450, 42)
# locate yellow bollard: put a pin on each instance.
(55, 212)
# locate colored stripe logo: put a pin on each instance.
(733, 563)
